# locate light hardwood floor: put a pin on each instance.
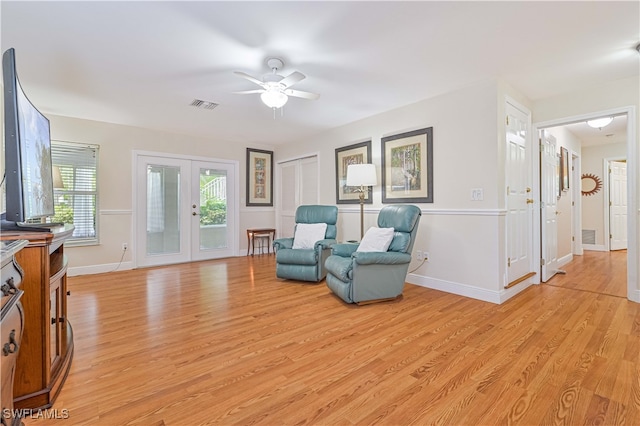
(225, 342)
(596, 271)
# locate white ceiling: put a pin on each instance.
(616, 132)
(142, 63)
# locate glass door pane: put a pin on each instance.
(213, 209)
(213, 212)
(163, 209)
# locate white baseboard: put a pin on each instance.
(465, 290)
(594, 247)
(565, 259)
(99, 269)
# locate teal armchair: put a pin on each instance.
(365, 277)
(307, 264)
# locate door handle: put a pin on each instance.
(529, 201)
(194, 214)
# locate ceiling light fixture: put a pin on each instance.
(599, 123)
(273, 96)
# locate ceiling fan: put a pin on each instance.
(275, 89)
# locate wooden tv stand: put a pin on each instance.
(45, 354)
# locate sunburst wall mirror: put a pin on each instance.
(590, 184)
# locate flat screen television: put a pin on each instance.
(27, 144)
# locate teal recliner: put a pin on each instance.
(307, 264)
(365, 277)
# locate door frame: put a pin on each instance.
(606, 181)
(235, 238)
(633, 250)
(576, 200)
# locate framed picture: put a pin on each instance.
(259, 177)
(564, 169)
(359, 153)
(407, 167)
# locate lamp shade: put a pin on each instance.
(361, 175)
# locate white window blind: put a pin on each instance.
(76, 201)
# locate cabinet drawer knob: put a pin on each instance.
(12, 345)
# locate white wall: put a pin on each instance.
(115, 181)
(463, 237)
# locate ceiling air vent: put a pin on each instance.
(198, 103)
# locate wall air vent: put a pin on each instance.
(588, 236)
(198, 103)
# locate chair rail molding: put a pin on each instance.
(434, 212)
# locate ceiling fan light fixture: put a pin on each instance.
(274, 98)
(599, 123)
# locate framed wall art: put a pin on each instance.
(407, 167)
(259, 177)
(359, 153)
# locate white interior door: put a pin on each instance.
(287, 198)
(308, 173)
(519, 196)
(549, 190)
(618, 205)
(298, 185)
(185, 210)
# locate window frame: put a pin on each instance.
(82, 241)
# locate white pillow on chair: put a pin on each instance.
(307, 234)
(376, 239)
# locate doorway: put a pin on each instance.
(185, 209)
(585, 222)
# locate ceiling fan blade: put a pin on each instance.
(301, 94)
(292, 78)
(248, 77)
(248, 92)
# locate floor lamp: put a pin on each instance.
(362, 175)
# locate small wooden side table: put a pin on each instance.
(254, 232)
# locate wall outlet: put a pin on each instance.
(125, 246)
(419, 255)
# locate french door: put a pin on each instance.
(185, 210)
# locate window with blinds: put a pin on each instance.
(75, 175)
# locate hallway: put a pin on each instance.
(595, 272)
